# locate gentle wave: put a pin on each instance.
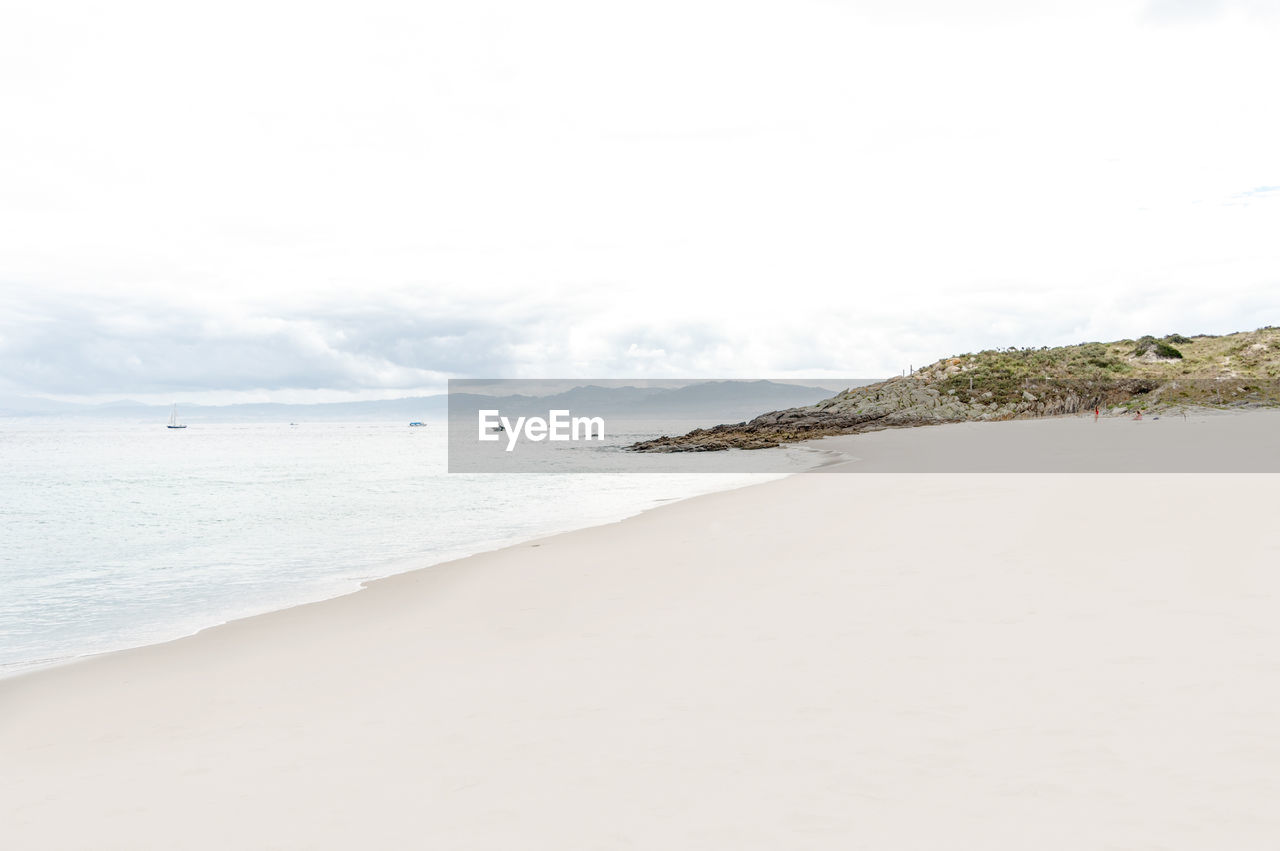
(123, 535)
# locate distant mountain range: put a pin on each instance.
(715, 399)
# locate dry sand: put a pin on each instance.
(826, 661)
(1203, 442)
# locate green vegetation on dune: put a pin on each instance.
(1149, 373)
(1196, 365)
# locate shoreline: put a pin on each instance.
(883, 446)
(397, 567)
(813, 659)
(841, 448)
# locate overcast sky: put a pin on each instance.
(305, 200)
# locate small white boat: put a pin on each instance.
(173, 419)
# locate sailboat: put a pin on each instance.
(173, 419)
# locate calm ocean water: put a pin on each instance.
(118, 535)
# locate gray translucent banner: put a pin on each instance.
(861, 426)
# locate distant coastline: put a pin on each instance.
(636, 398)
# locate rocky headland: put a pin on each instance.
(1118, 378)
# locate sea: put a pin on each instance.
(122, 534)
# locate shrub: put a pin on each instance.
(1161, 350)
(1143, 345)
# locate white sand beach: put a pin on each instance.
(898, 661)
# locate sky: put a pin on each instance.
(287, 201)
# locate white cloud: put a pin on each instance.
(1196, 11)
(373, 197)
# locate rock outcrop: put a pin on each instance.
(896, 403)
(1003, 384)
